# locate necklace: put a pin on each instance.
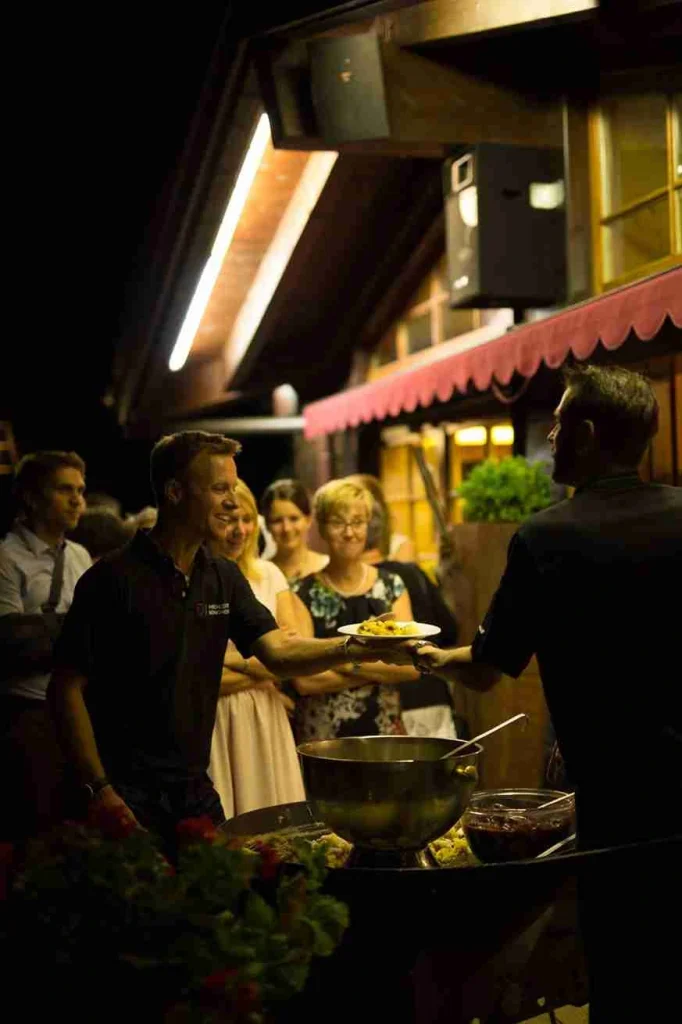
(297, 571)
(359, 589)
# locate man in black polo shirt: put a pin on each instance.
(138, 666)
(592, 588)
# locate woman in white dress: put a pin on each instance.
(253, 755)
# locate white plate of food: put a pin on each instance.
(389, 629)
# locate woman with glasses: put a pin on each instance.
(391, 545)
(354, 700)
(253, 755)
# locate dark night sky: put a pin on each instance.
(105, 104)
(101, 104)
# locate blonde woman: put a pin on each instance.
(253, 756)
(382, 542)
(353, 700)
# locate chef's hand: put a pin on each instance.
(426, 657)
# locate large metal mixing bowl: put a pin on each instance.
(388, 794)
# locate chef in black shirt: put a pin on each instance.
(138, 667)
(592, 587)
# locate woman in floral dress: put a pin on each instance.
(354, 700)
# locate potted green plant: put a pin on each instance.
(106, 922)
(505, 492)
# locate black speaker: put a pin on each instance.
(505, 226)
(347, 83)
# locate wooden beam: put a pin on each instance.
(429, 101)
(431, 107)
(438, 20)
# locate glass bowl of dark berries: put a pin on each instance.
(512, 824)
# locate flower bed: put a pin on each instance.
(215, 935)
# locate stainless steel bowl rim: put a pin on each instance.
(474, 749)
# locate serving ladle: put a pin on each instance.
(557, 847)
(481, 736)
(556, 800)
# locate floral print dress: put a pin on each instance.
(359, 711)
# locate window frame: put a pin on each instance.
(601, 219)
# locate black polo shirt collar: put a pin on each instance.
(145, 547)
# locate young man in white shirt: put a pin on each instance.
(39, 570)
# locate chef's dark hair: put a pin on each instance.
(621, 404)
(172, 455)
(285, 490)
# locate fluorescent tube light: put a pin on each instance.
(228, 226)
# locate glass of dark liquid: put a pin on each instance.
(510, 824)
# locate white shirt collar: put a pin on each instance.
(33, 542)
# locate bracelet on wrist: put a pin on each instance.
(95, 787)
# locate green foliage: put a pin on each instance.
(505, 492)
(227, 934)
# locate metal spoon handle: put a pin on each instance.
(482, 736)
(556, 800)
(556, 847)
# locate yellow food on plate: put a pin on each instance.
(452, 850)
(385, 627)
(336, 850)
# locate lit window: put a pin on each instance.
(468, 436)
(640, 163)
(502, 434)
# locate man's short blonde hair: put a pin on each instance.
(172, 456)
(336, 496)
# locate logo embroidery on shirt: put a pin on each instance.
(204, 610)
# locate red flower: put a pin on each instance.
(247, 997)
(217, 982)
(6, 858)
(112, 822)
(242, 996)
(197, 830)
(269, 860)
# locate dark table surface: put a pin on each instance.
(444, 946)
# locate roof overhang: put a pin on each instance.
(641, 309)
